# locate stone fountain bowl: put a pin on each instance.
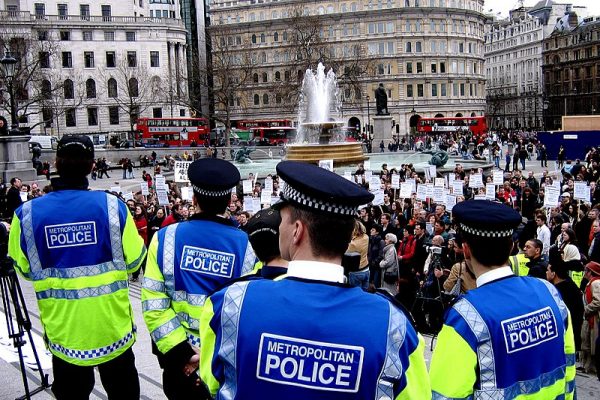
(323, 125)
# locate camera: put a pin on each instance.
(434, 249)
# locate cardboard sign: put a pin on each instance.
(23, 196)
(490, 191)
(479, 197)
(432, 171)
(160, 182)
(326, 164)
(476, 181)
(405, 190)
(248, 204)
(413, 184)
(582, 191)
(457, 187)
(187, 193)
(256, 204)
(450, 202)
(268, 185)
(181, 171)
(429, 187)
(441, 182)
(265, 197)
(163, 197)
(368, 175)
(438, 195)
(374, 183)
(551, 197)
(498, 178)
(422, 192)
(247, 186)
(367, 165)
(128, 196)
(144, 188)
(378, 200)
(396, 181)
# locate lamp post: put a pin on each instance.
(8, 67)
(368, 114)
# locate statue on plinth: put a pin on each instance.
(381, 100)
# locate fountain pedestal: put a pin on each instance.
(15, 159)
(340, 153)
(382, 129)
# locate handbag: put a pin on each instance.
(390, 275)
(456, 289)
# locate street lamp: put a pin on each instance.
(9, 64)
(368, 115)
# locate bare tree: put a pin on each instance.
(68, 93)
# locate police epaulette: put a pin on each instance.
(388, 296)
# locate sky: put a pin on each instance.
(503, 6)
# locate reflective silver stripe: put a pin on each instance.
(392, 367)
(193, 340)
(230, 324)
(524, 387)
(168, 261)
(165, 329)
(571, 386)
(193, 323)
(154, 285)
(191, 299)
(137, 260)
(94, 353)
(155, 304)
(116, 241)
(249, 260)
(485, 351)
(76, 272)
(32, 253)
(438, 396)
(570, 360)
(72, 294)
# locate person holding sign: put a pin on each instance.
(511, 337)
(186, 262)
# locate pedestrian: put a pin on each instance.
(491, 344)
(79, 262)
(590, 350)
(263, 232)
(382, 147)
(560, 157)
(13, 197)
(299, 337)
(187, 261)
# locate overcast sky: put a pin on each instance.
(504, 6)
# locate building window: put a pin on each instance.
(130, 36)
(420, 90)
(106, 13)
(67, 59)
(133, 87)
(92, 113)
(256, 100)
(265, 98)
(409, 68)
(434, 68)
(109, 36)
(65, 35)
(418, 47)
(154, 59)
(112, 88)
(157, 112)
(69, 89)
(264, 77)
(42, 35)
(84, 11)
(62, 11)
(443, 89)
(419, 68)
(434, 90)
(46, 90)
(88, 58)
(88, 36)
(44, 59)
(90, 88)
(113, 115)
(131, 59)
(442, 67)
(409, 90)
(47, 116)
(110, 59)
(408, 47)
(70, 117)
(182, 112)
(40, 10)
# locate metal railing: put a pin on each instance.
(24, 16)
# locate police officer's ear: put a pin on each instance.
(466, 250)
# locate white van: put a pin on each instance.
(44, 142)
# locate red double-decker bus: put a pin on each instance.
(477, 125)
(174, 131)
(269, 131)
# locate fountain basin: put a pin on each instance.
(341, 153)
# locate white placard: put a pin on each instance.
(422, 192)
(429, 187)
(144, 188)
(265, 197)
(582, 191)
(268, 185)
(374, 183)
(413, 184)
(367, 165)
(256, 204)
(160, 182)
(476, 181)
(248, 204)
(116, 189)
(247, 186)
(450, 202)
(181, 171)
(128, 196)
(275, 199)
(396, 181)
(457, 187)
(498, 177)
(451, 178)
(23, 196)
(326, 164)
(439, 195)
(439, 182)
(427, 175)
(378, 200)
(163, 198)
(556, 184)
(479, 197)
(432, 171)
(405, 190)
(368, 175)
(490, 191)
(348, 175)
(551, 197)
(187, 193)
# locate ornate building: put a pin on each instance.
(427, 53)
(96, 67)
(572, 70)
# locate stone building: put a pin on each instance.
(427, 53)
(100, 64)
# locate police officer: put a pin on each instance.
(263, 231)
(78, 247)
(187, 261)
(511, 336)
(310, 335)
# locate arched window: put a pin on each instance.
(276, 37)
(277, 76)
(254, 38)
(353, 7)
(112, 88)
(286, 75)
(46, 90)
(69, 89)
(90, 88)
(133, 87)
(278, 98)
(263, 38)
(458, 115)
(408, 47)
(473, 114)
(274, 15)
(265, 98)
(439, 115)
(255, 78)
(263, 57)
(256, 99)
(285, 37)
(264, 76)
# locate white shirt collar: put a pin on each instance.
(316, 270)
(493, 275)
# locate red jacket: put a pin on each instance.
(406, 250)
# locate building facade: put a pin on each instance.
(99, 65)
(572, 71)
(428, 54)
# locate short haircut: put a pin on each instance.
(212, 205)
(73, 167)
(542, 216)
(487, 250)
(14, 180)
(329, 234)
(537, 243)
(421, 225)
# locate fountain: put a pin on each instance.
(320, 131)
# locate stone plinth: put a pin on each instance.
(340, 153)
(15, 159)
(382, 130)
